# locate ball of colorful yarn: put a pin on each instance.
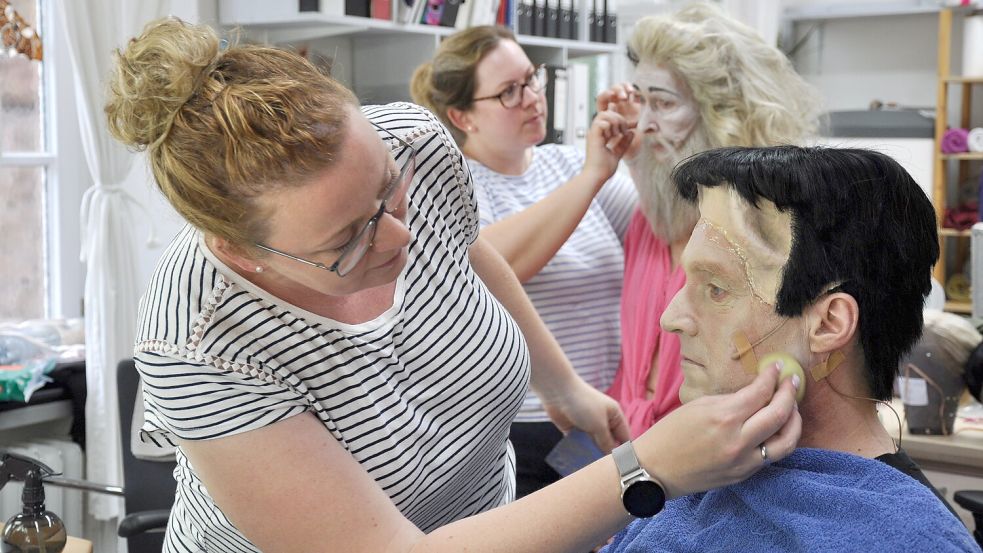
(954, 141)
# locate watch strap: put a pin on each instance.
(626, 460)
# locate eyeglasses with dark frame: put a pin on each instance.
(512, 95)
(355, 249)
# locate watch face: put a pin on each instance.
(644, 498)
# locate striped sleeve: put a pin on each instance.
(199, 401)
(484, 194)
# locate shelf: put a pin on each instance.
(310, 26)
(36, 414)
(576, 48)
(951, 232)
(843, 10)
(961, 307)
(963, 80)
(963, 156)
(846, 10)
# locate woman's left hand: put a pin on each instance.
(593, 412)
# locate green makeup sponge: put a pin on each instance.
(789, 367)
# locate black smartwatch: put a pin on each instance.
(642, 495)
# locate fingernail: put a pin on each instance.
(796, 381)
(778, 365)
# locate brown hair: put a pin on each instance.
(223, 127)
(447, 81)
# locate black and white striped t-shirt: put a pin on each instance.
(578, 292)
(422, 396)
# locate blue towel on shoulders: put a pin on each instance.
(813, 500)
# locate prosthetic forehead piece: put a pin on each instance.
(759, 237)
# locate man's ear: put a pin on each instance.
(833, 322)
(235, 255)
(460, 119)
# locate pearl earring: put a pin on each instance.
(259, 269)
(470, 129)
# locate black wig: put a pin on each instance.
(858, 220)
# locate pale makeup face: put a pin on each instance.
(669, 113)
(498, 127)
(316, 220)
(725, 266)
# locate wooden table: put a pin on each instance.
(958, 453)
(951, 463)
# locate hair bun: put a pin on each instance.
(421, 87)
(154, 76)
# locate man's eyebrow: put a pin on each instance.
(712, 268)
(653, 89)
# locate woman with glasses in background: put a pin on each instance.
(556, 214)
(331, 345)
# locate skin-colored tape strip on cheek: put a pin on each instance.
(745, 352)
(822, 370)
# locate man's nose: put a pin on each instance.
(648, 121)
(677, 318)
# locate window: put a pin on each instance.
(24, 160)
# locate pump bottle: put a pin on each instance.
(34, 530)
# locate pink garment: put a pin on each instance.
(650, 284)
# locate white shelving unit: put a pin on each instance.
(377, 57)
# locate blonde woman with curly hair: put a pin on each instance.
(335, 351)
(702, 80)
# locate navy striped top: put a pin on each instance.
(422, 395)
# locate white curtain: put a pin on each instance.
(95, 28)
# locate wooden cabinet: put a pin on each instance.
(952, 170)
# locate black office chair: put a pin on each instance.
(148, 485)
(972, 500)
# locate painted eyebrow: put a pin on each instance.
(654, 89)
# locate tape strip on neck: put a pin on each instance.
(822, 370)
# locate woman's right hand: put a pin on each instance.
(623, 99)
(716, 440)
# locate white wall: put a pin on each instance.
(856, 60)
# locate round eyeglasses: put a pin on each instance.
(355, 249)
(512, 95)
